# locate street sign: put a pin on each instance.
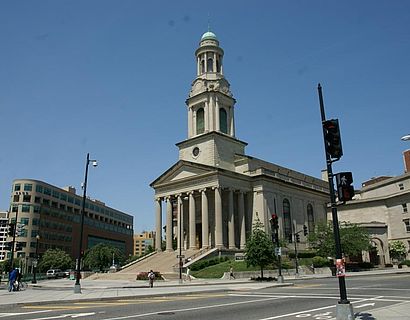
(180, 256)
(278, 251)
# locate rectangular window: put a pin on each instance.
(407, 223)
(39, 188)
(46, 201)
(47, 191)
(63, 197)
(14, 209)
(25, 208)
(56, 194)
(24, 221)
(37, 200)
(401, 186)
(17, 187)
(26, 198)
(28, 187)
(36, 221)
(16, 198)
(77, 202)
(70, 199)
(36, 209)
(404, 205)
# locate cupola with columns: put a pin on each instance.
(211, 121)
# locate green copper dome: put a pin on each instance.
(209, 36)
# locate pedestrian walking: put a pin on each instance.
(12, 279)
(151, 277)
(231, 275)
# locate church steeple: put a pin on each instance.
(211, 126)
(210, 102)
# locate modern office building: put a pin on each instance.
(3, 233)
(54, 214)
(214, 193)
(142, 241)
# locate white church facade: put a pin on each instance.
(212, 195)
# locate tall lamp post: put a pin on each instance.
(77, 286)
(35, 262)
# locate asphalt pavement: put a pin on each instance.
(62, 290)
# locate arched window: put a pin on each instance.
(223, 120)
(203, 66)
(210, 65)
(311, 218)
(287, 222)
(218, 66)
(200, 123)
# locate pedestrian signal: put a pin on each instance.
(345, 190)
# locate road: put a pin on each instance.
(308, 299)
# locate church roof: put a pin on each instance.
(208, 36)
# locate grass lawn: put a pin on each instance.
(218, 270)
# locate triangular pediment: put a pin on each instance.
(182, 170)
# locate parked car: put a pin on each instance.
(54, 274)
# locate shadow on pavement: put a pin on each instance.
(364, 316)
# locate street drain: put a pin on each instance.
(165, 313)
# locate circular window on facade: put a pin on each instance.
(195, 152)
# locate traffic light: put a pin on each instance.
(290, 236)
(345, 190)
(19, 246)
(305, 230)
(274, 222)
(12, 229)
(297, 235)
(333, 142)
(7, 245)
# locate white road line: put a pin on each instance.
(4, 314)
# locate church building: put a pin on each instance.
(214, 193)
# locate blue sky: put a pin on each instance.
(111, 78)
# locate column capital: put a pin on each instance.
(190, 192)
(202, 190)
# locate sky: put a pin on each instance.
(110, 78)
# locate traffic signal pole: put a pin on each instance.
(344, 310)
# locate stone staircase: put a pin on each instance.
(164, 262)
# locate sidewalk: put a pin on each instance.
(62, 290)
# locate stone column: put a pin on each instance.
(190, 124)
(218, 218)
(180, 236)
(205, 219)
(207, 116)
(192, 222)
(241, 209)
(231, 225)
(232, 122)
(217, 124)
(158, 231)
(169, 224)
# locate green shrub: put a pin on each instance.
(405, 263)
(199, 265)
(319, 262)
(303, 254)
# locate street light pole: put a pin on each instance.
(77, 286)
(35, 261)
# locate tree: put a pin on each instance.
(55, 259)
(101, 256)
(397, 249)
(353, 238)
(259, 250)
